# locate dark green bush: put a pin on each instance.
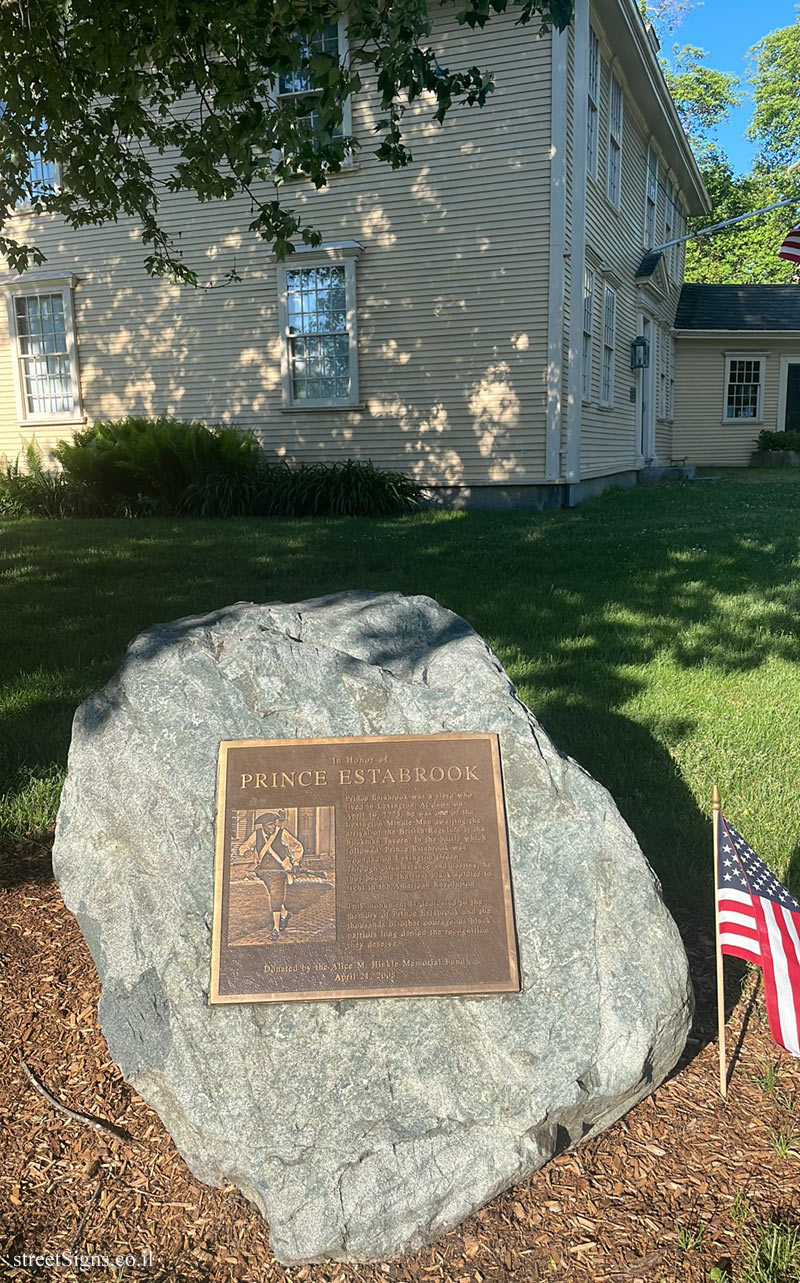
(164, 467)
(35, 491)
(778, 440)
(146, 465)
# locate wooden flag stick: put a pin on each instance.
(723, 1076)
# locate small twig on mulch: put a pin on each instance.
(97, 1123)
(82, 1223)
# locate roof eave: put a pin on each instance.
(623, 18)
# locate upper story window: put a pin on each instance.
(609, 344)
(744, 381)
(614, 167)
(588, 318)
(319, 343)
(42, 330)
(593, 105)
(296, 87)
(669, 226)
(651, 198)
(43, 177)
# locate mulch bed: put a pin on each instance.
(659, 1196)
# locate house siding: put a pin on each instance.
(701, 433)
(614, 248)
(452, 290)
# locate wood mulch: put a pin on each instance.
(659, 1196)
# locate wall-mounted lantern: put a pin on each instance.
(640, 353)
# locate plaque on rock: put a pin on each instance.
(361, 867)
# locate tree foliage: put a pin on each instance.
(775, 77)
(747, 252)
(137, 99)
(704, 97)
(666, 15)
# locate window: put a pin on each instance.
(43, 176)
(42, 331)
(651, 199)
(614, 170)
(592, 120)
(669, 226)
(669, 387)
(588, 312)
(609, 343)
(743, 384)
(317, 311)
(296, 89)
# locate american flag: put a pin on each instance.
(759, 920)
(791, 246)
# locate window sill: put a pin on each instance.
(336, 406)
(52, 423)
(740, 423)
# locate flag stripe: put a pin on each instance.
(741, 897)
(740, 947)
(790, 249)
(783, 1018)
(739, 919)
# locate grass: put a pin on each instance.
(653, 632)
(771, 1254)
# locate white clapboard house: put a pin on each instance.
(481, 307)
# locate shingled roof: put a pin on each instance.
(739, 307)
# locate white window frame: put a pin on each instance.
(651, 198)
(614, 157)
(609, 346)
(347, 253)
(33, 285)
(593, 105)
(347, 115)
(730, 357)
(670, 211)
(589, 283)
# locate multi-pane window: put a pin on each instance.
(743, 383)
(593, 105)
(318, 320)
(651, 199)
(657, 360)
(614, 168)
(609, 344)
(42, 175)
(669, 225)
(42, 328)
(669, 386)
(588, 313)
(296, 87)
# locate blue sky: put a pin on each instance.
(727, 29)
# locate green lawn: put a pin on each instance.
(653, 632)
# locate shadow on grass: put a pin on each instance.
(582, 607)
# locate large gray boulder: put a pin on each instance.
(364, 1128)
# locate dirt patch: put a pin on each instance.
(661, 1195)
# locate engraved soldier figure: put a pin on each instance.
(276, 853)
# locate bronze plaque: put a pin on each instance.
(368, 867)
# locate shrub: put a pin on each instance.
(778, 440)
(146, 465)
(164, 467)
(35, 491)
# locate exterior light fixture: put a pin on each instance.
(640, 353)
